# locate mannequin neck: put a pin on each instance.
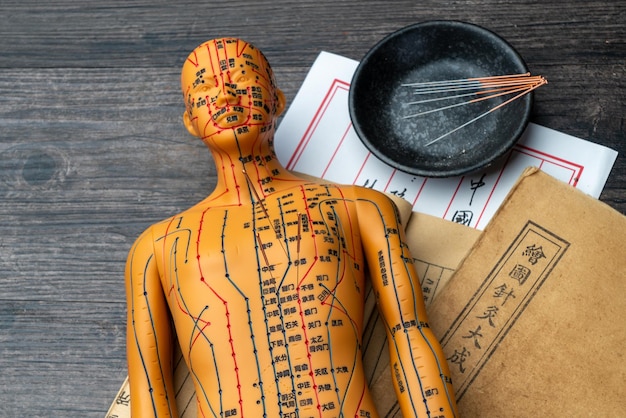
(248, 171)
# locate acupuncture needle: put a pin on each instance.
(482, 115)
(484, 88)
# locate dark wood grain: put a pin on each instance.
(92, 148)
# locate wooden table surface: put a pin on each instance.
(92, 148)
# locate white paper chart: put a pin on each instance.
(316, 137)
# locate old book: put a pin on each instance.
(532, 322)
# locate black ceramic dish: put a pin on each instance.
(429, 51)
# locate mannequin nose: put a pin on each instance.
(227, 96)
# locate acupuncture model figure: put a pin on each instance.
(263, 281)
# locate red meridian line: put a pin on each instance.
(304, 141)
(243, 48)
(225, 50)
(208, 122)
(332, 293)
(199, 407)
(198, 246)
(237, 185)
(352, 234)
(249, 107)
(211, 60)
(201, 332)
(259, 141)
(215, 81)
(343, 137)
(306, 342)
(302, 319)
(202, 278)
(225, 303)
(165, 271)
(263, 77)
(232, 350)
(345, 205)
(306, 274)
(302, 189)
(217, 197)
(453, 196)
(195, 55)
(360, 402)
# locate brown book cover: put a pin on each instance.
(532, 322)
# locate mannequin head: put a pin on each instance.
(229, 89)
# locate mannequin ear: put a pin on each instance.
(280, 102)
(190, 128)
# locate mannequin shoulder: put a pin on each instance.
(366, 194)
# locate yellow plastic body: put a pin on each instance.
(263, 281)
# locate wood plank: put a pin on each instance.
(92, 149)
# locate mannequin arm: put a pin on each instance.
(420, 373)
(148, 339)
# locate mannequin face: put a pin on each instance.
(228, 86)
